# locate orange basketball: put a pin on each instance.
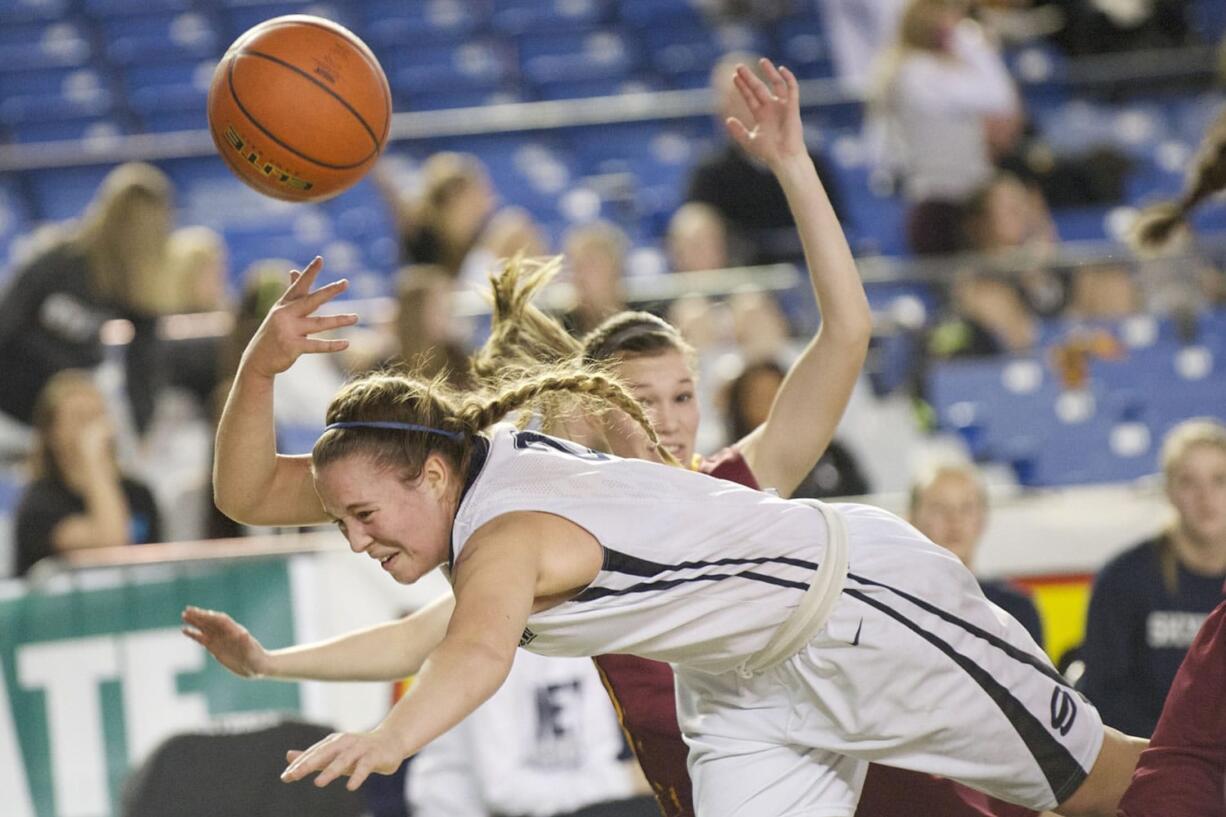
(299, 108)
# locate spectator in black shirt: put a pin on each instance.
(745, 192)
(84, 275)
(949, 505)
(1149, 602)
(78, 497)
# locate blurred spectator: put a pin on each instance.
(760, 225)
(1103, 291)
(443, 221)
(1181, 774)
(1096, 27)
(78, 498)
(944, 109)
(949, 505)
(859, 30)
(1149, 602)
(197, 269)
(989, 316)
(424, 333)
(511, 230)
(83, 275)
(1008, 214)
(596, 257)
(547, 744)
(749, 399)
(697, 239)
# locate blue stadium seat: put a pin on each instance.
(650, 13)
(241, 15)
(53, 95)
(590, 88)
(87, 131)
(117, 8)
(62, 43)
(479, 65)
(1097, 450)
(516, 17)
(160, 36)
(595, 54)
(13, 12)
(393, 25)
(692, 50)
(801, 45)
(62, 193)
(1081, 223)
(168, 87)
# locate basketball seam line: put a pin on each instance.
(371, 59)
(266, 132)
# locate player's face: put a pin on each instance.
(405, 526)
(951, 513)
(1197, 489)
(665, 385)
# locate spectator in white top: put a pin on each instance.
(944, 110)
(547, 744)
(859, 30)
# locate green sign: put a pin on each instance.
(94, 677)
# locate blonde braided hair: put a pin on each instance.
(1157, 223)
(397, 398)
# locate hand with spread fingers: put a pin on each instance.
(287, 330)
(345, 754)
(234, 648)
(776, 134)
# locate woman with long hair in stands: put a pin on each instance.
(82, 275)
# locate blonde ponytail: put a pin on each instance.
(1157, 223)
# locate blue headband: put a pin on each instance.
(394, 426)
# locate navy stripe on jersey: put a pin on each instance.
(1008, 649)
(593, 593)
(617, 562)
(1062, 771)
(476, 464)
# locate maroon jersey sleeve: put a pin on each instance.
(1183, 772)
(730, 465)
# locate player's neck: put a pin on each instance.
(1205, 556)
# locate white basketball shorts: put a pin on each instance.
(916, 669)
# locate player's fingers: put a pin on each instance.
(315, 346)
(300, 282)
(322, 323)
(757, 86)
(747, 94)
(194, 635)
(737, 130)
(358, 774)
(292, 755)
(340, 765)
(779, 86)
(321, 296)
(790, 79)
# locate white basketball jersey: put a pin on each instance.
(697, 571)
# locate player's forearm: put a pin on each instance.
(385, 652)
(459, 676)
(245, 461)
(832, 269)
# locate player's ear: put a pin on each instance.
(436, 475)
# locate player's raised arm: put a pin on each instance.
(385, 652)
(495, 585)
(815, 392)
(252, 483)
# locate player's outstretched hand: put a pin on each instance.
(345, 754)
(234, 648)
(286, 331)
(776, 133)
